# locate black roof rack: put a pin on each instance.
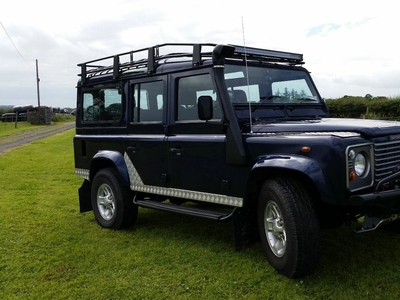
(151, 58)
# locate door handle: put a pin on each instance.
(177, 151)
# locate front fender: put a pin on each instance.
(105, 158)
(304, 166)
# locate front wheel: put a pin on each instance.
(288, 227)
(112, 206)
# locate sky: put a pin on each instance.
(350, 47)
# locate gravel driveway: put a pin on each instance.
(15, 140)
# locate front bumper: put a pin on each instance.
(386, 190)
(375, 197)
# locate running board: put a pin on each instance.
(197, 212)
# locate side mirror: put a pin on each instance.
(205, 108)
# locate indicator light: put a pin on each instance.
(305, 149)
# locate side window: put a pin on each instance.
(189, 90)
(103, 105)
(148, 102)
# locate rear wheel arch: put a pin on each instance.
(102, 160)
(109, 159)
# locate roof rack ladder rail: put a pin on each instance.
(196, 59)
(83, 73)
(116, 67)
(151, 61)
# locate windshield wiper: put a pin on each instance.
(270, 97)
(306, 99)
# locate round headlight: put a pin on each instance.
(360, 164)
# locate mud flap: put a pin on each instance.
(245, 227)
(84, 196)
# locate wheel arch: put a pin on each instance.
(303, 169)
(101, 160)
(109, 159)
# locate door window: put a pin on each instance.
(189, 90)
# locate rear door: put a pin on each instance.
(146, 139)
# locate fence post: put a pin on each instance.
(366, 113)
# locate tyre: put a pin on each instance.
(289, 228)
(112, 205)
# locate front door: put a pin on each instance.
(195, 148)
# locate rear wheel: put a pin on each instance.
(112, 205)
(288, 227)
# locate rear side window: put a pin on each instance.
(102, 105)
(148, 102)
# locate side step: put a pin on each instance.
(372, 223)
(197, 212)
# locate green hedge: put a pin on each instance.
(360, 107)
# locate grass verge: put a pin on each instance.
(8, 128)
(48, 250)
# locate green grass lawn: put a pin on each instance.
(48, 250)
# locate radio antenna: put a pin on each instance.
(247, 78)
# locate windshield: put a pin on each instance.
(269, 85)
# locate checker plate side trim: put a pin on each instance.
(82, 173)
(136, 184)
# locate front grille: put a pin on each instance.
(387, 159)
(350, 164)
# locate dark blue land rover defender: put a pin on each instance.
(230, 133)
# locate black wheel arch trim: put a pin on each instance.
(299, 164)
(116, 158)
